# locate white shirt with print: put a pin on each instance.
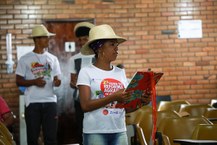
(32, 66)
(107, 119)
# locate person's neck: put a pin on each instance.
(103, 65)
(39, 50)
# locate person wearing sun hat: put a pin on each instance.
(101, 85)
(76, 62)
(39, 72)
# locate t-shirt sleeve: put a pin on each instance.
(20, 70)
(83, 78)
(56, 69)
(3, 107)
(72, 65)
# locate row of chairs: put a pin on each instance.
(176, 119)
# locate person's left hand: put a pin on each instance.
(146, 97)
(56, 82)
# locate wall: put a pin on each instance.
(189, 64)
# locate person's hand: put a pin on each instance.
(73, 81)
(56, 82)
(73, 85)
(40, 82)
(146, 97)
(122, 96)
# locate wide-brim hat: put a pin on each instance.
(83, 24)
(40, 31)
(99, 32)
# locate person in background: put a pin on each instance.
(6, 115)
(101, 86)
(76, 62)
(120, 65)
(38, 71)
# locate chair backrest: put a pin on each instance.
(5, 133)
(171, 105)
(180, 128)
(195, 109)
(205, 132)
(162, 98)
(146, 123)
(131, 117)
(4, 141)
(210, 113)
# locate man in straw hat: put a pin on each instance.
(81, 31)
(101, 85)
(38, 71)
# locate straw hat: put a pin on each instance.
(103, 31)
(82, 29)
(39, 31)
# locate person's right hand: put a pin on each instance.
(40, 82)
(73, 85)
(122, 96)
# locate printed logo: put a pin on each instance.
(105, 112)
(41, 70)
(109, 86)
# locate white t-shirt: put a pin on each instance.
(32, 66)
(76, 62)
(85, 60)
(107, 119)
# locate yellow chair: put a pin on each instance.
(131, 117)
(171, 105)
(205, 132)
(4, 141)
(131, 122)
(5, 133)
(211, 114)
(180, 128)
(194, 109)
(145, 123)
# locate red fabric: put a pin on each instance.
(154, 107)
(3, 108)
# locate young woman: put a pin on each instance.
(101, 85)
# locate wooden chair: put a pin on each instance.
(211, 114)
(131, 121)
(180, 128)
(131, 117)
(205, 132)
(145, 123)
(5, 133)
(171, 105)
(195, 110)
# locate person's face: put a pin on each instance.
(43, 42)
(109, 50)
(82, 40)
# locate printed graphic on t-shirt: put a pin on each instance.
(107, 87)
(41, 70)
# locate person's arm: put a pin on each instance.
(20, 81)
(73, 81)
(56, 81)
(8, 119)
(89, 105)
